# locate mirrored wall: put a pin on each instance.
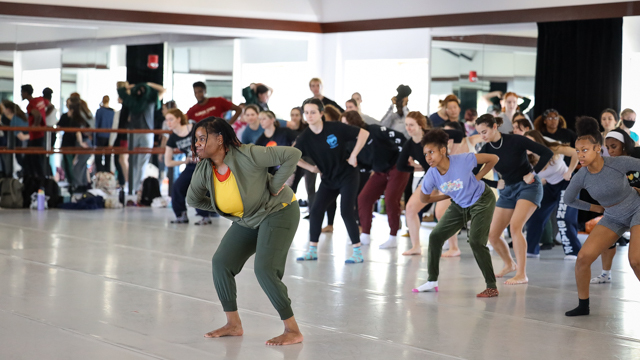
(472, 69)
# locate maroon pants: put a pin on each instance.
(391, 184)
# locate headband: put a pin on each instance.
(615, 135)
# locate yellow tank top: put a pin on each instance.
(227, 194)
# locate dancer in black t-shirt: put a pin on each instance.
(520, 191)
(325, 144)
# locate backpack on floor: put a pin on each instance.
(150, 191)
(11, 193)
(51, 189)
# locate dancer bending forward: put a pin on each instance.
(264, 212)
(470, 198)
(605, 178)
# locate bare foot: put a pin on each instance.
(327, 229)
(451, 253)
(516, 280)
(413, 251)
(507, 269)
(287, 338)
(227, 330)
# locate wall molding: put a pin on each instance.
(491, 40)
(562, 13)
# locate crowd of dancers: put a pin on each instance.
(482, 176)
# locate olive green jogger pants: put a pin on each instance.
(270, 242)
(452, 221)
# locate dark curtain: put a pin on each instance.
(579, 67)
(138, 67)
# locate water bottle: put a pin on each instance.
(382, 207)
(41, 199)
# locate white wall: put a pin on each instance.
(282, 64)
(374, 63)
(631, 65)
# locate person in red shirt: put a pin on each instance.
(207, 107)
(37, 113)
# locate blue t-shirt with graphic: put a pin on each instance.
(458, 182)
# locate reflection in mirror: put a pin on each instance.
(479, 74)
(208, 61)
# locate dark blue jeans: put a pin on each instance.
(179, 193)
(567, 220)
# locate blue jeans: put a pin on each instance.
(179, 193)
(567, 218)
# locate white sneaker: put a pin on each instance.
(533, 255)
(571, 257)
(602, 279)
(445, 246)
(391, 243)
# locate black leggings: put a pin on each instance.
(331, 210)
(348, 191)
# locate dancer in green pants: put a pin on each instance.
(264, 212)
(471, 199)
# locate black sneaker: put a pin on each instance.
(546, 246)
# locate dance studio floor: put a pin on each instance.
(126, 284)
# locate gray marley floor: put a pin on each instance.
(126, 284)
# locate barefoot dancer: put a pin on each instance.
(606, 180)
(471, 199)
(265, 217)
(521, 195)
(466, 146)
(417, 125)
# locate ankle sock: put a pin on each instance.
(365, 239)
(356, 257)
(311, 254)
(427, 287)
(391, 243)
(606, 273)
(582, 309)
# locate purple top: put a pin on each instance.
(458, 182)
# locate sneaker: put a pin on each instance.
(571, 257)
(601, 279)
(489, 292)
(204, 221)
(546, 246)
(183, 219)
(529, 255)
